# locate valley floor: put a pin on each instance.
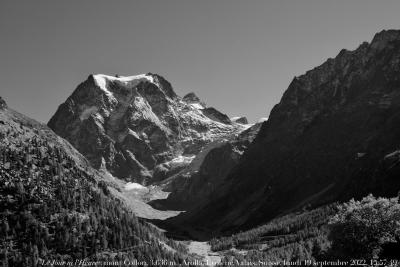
(203, 249)
(137, 196)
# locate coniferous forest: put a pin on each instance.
(52, 208)
(366, 229)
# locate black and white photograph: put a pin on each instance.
(199, 133)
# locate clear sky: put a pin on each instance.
(237, 55)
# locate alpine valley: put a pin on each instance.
(127, 169)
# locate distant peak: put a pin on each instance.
(387, 34)
(191, 98)
(241, 120)
(194, 101)
(383, 37)
(3, 103)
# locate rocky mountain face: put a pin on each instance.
(137, 128)
(204, 178)
(334, 135)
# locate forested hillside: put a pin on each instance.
(54, 206)
(365, 230)
(292, 237)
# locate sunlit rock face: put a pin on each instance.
(136, 127)
(205, 177)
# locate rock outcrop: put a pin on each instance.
(3, 103)
(215, 115)
(242, 120)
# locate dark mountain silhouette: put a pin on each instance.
(334, 135)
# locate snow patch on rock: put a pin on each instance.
(129, 81)
(87, 112)
(134, 186)
(102, 81)
(197, 106)
(182, 159)
(262, 120)
(393, 154)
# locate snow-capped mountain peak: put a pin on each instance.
(134, 125)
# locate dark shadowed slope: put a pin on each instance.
(335, 134)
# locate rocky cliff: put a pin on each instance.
(136, 127)
(204, 178)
